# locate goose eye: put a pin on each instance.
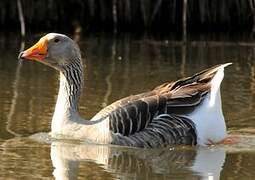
(56, 40)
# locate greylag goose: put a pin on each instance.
(187, 111)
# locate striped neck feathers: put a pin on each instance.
(71, 80)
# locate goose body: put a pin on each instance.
(186, 111)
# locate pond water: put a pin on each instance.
(117, 67)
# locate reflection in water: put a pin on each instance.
(23, 157)
(183, 64)
(15, 90)
(209, 162)
(136, 163)
(109, 76)
(66, 159)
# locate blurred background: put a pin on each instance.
(137, 16)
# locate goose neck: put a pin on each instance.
(70, 87)
(66, 109)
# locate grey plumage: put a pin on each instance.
(161, 131)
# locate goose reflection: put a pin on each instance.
(70, 161)
(209, 162)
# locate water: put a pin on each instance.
(115, 68)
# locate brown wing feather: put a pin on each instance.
(133, 114)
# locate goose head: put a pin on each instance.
(54, 50)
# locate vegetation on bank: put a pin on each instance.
(129, 15)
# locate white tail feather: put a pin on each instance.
(215, 83)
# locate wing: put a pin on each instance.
(163, 130)
(135, 113)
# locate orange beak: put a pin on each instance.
(37, 52)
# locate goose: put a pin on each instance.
(183, 112)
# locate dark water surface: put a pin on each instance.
(115, 68)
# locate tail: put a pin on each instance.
(204, 76)
(216, 81)
(190, 91)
